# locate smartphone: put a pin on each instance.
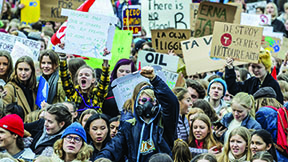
(218, 124)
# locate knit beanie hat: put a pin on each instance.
(265, 92)
(219, 80)
(77, 129)
(13, 123)
(265, 59)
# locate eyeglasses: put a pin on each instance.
(75, 139)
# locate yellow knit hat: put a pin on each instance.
(265, 59)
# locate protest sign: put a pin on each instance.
(31, 12)
(8, 41)
(1, 7)
(271, 44)
(237, 17)
(171, 78)
(167, 62)
(51, 9)
(19, 50)
(240, 42)
(193, 14)
(208, 13)
(196, 53)
(273, 34)
(169, 39)
(97, 35)
(132, 14)
(255, 20)
(124, 86)
(251, 7)
(120, 49)
(283, 50)
(163, 14)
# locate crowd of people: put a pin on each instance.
(229, 115)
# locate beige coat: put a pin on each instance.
(20, 97)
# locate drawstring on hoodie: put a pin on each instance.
(141, 137)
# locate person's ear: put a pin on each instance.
(14, 136)
(93, 80)
(61, 124)
(268, 146)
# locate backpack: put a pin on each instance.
(282, 130)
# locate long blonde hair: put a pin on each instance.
(84, 153)
(209, 140)
(246, 101)
(245, 134)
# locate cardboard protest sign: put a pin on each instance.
(283, 50)
(208, 13)
(132, 19)
(194, 11)
(240, 42)
(120, 49)
(273, 34)
(31, 12)
(167, 62)
(8, 41)
(237, 17)
(196, 53)
(169, 39)
(97, 34)
(255, 20)
(125, 85)
(271, 44)
(251, 7)
(163, 14)
(51, 9)
(193, 14)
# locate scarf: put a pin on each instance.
(199, 144)
(232, 158)
(53, 83)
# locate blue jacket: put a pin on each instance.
(161, 129)
(251, 85)
(267, 118)
(248, 122)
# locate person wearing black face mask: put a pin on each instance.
(153, 128)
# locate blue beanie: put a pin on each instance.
(75, 128)
(219, 80)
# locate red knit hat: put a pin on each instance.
(13, 123)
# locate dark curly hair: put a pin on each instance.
(197, 86)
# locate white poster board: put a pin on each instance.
(8, 41)
(20, 50)
(163, 14)
(255, 20)
(167, 62)
(126, 84)
(88, 34)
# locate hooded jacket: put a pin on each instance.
(139, 140)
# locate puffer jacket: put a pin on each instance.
(161, 129)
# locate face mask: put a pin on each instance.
(147, 110)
